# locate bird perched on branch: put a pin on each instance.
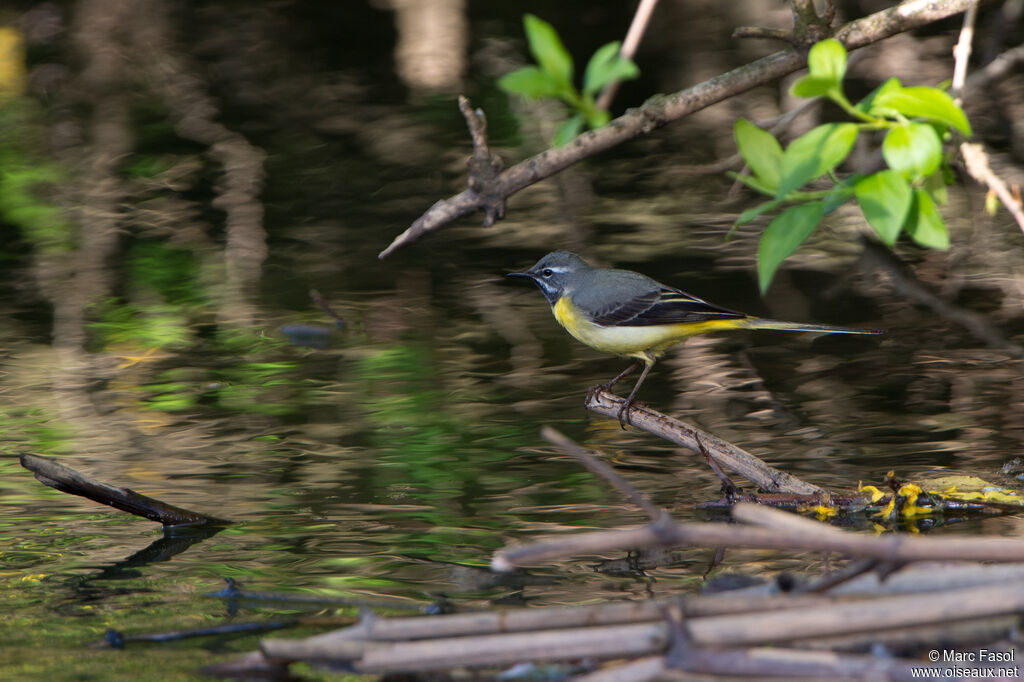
(630, 314)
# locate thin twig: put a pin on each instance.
(962, 53)
(641, 18)
(976, 161)
(763, 33)
(604, 471)
(484, 166)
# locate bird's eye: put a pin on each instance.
(547, 272)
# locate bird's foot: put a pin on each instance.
(595, 389)
(625, 411)
(624, 414)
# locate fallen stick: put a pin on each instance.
(65, 479)
(374, 629)
(876, 616)
(603, 642)
(873, 615)
(724, 453)
(666, 533)
(954, 583)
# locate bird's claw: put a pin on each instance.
(594, 390)
(624, 414)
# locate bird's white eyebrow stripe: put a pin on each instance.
(557, 268)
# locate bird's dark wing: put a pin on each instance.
(662, 306)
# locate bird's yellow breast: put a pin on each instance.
(638, 342)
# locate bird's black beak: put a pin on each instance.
(522, 275)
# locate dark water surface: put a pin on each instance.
(391, 463)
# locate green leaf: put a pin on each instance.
(885, 198)
(929, 103)
(826, 64)
(783, 236)
(811, 86)
(568, 131)
(595, 76)
(913, 150)
(760, 150)
(826, 61)
(607, 65)
(867, 104)
(814, 153)
(547, 48)
(753, 182)
(925, 224)
(530, 81)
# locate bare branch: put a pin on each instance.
(709, 635)
(726, 454)
(894, 549)
(660, 110)
(976, 161)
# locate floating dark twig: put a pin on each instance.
(65, 479)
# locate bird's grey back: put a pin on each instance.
(593, 289)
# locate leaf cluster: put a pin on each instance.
(901, 198)
(552, 76)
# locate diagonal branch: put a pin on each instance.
(721, 452)
(660, 110)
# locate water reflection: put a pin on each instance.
(391, 461)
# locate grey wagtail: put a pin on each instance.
(629, 314)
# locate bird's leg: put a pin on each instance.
(626, 372)
(624, 410)
(608, 386)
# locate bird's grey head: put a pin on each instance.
(553, 272)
